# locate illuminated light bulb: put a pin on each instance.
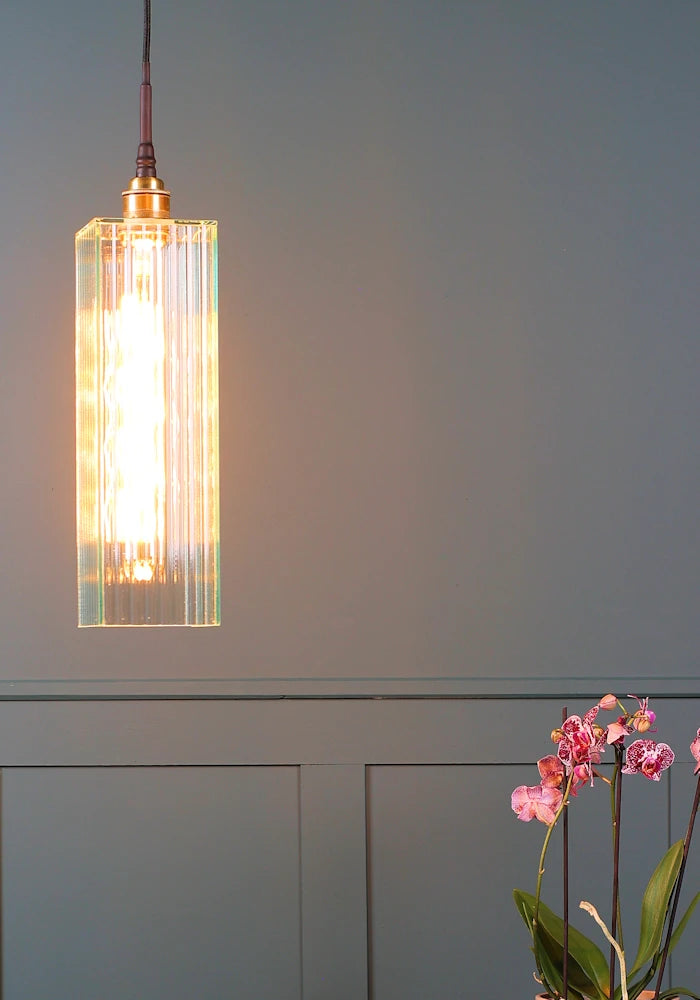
(135, 458)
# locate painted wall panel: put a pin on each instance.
(302, 881)
(445, 852)
(270, 732)
(166, 883)
(311, 731)
(333, 882)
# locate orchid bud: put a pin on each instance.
(598, 731)
(608, 703)
(642, 723)
(556, 735)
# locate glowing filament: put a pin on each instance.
(135, 464)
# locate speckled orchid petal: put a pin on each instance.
(648, 758)
(536, 802)
(589, 717)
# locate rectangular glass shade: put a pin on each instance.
(147, 423)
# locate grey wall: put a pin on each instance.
(459, 365)
(458, 330)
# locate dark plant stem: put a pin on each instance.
(616, 860)
(677, 892)
(565, 879)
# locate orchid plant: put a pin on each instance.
(569, 964)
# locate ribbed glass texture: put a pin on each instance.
(147, 423)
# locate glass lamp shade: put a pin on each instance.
(147, 423)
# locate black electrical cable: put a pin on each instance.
(146, 157)
(147, 31)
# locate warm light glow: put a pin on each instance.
(134, 388)
(147, 423)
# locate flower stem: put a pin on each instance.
(677, 892)
(565, 882)
(545, 845)
(617, 811)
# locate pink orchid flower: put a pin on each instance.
(695, 750)
(648, 758)
(536, 802)
(581, 742)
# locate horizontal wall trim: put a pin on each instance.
(295, 732)
(501, 688)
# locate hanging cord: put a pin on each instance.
(146, 157)
(147, 31)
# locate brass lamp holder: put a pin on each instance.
(146, 198)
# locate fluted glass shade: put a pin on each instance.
(147, 423)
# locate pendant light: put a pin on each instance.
(147, 406)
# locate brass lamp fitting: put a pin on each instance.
(146, 198)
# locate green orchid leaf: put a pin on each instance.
(550, 958)
(521, 907)
(675, 937)
(677, 991)
(588, 970)
(546, 967)
(655, 904)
